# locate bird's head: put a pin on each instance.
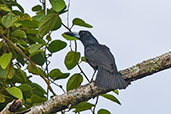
(84, 36)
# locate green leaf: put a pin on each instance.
(103, 111)
(35, 39)
(11, 71)
(4, 8)
(57, 5)
(56, 74)
(19, 76)
(37, 8)
(82, 106)
(72, 59)
(17, 12)
(26, 89)
(22, 43)
(19, 33)
(5, 59)
(17, 25)
(38, 17)
(80, 22)
(48, 22)
(2, 98)
(67, 37)
(3, 73)
(37, 89)
(116, 91)
(56, 45)
(9, 19)
(14, 3)
(32, 31)
(19, 58)
(32, 23)
(34, 48)
(33, 70)
(111, 98)
(83, 59)
(37, 99)
(74, 81)
(38, 57)
(14, 91)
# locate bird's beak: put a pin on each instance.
(73, 34)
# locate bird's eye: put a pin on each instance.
(82, 33)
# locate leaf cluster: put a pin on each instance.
(26, 45)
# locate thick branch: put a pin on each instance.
(147, 67)
(86, 92)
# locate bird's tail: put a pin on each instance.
(106, 80)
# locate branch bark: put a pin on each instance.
(88, 91)
(11, 107)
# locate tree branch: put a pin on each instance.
(11, 107)
(88, 91)
(147, 67)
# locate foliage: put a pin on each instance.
(26, 45)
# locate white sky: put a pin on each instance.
(134, 30)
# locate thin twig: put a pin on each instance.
(75, 42)
(68, 23)
(97, 98)
(66, 27)
(68, 13)
(44, 6)
(46, 66)
(71, 26)
(60, 86)
(93, 75)
(70, 45)
(83, 73)
(46, 58)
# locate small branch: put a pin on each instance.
(60, 86)
(97, 99)
(84, 93)
(83, 73)
(11, 107)
(66, 27)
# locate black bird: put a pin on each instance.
(100, 58)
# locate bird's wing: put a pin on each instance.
(100, 55)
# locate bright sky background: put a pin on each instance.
(134, 30)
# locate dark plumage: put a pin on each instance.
(100, 58)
